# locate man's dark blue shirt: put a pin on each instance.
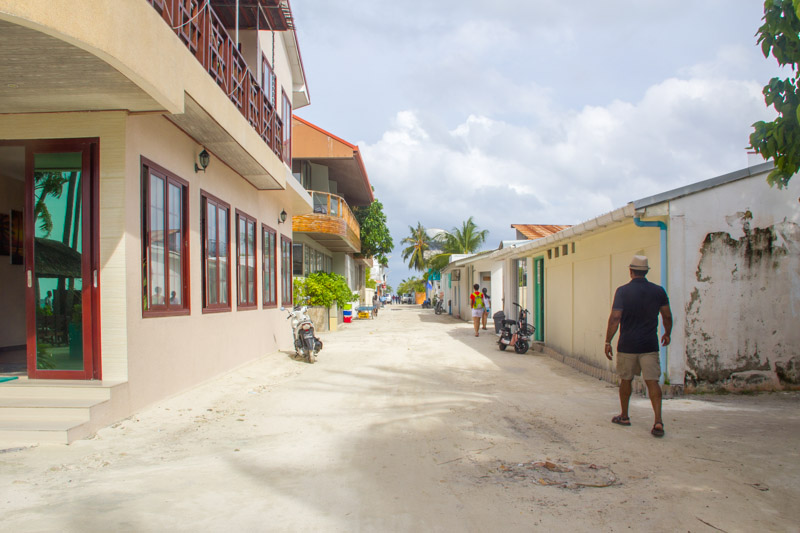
(640, 302)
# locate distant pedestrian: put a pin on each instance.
(636, 308)
(476, 303)
(375, 304)
(487, 306)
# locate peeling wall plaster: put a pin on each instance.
(743, 311)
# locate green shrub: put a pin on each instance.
(322, 289)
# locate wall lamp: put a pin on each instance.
(204, 160)
(282, 217)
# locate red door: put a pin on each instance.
(61, 259)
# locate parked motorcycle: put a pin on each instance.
(439, 309)
(306, 344)
(516, 333)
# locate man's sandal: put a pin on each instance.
(621, 420)
(656, 431)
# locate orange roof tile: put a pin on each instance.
(537, 231)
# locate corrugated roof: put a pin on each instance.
(692, 188)
(537, 231)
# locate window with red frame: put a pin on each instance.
(216, 253)
(269, 263)
(165, 242)
(245, 260)
(286, 116)
(286, 271)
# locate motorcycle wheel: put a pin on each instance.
(521, 347)
(502, 346)
(310, 358)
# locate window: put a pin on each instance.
(286, 116)
(216, 251)
(308, 260)
(522, 282)
(301, 170)
(286, 271)
(268, 83)
(245, 260)
(269, 263)
(297, 259)
(165, 242)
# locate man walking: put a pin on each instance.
(636, 308)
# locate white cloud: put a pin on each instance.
(591, 161)
(532, 110)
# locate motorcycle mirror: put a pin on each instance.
(283, 308)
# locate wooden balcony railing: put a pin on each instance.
(331, 216)
(200, 29)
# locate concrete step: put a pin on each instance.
(41, 388)
(28, 432)
(53, 411)
(44, 408)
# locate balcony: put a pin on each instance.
(332, 224)
(202, 31)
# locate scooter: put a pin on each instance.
(516, 333)
(439, 309)
(306, 345)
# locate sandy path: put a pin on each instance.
(409, 423)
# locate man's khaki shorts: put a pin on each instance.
(633, 364)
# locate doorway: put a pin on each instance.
(56, 261)
(538, 298)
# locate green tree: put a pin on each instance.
(464, 240)
(779, 36)
(321, 289)
(412, 285)
(418, 243)
(47, 184)
(376, 241)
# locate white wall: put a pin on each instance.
(735, 280)
(167, 354)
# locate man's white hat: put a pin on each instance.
(639, 262)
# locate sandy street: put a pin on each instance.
(409, 423)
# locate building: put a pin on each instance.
(502, 284)
(146, 160)
(333, 173)
(726, 249)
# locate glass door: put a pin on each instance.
(60, 266)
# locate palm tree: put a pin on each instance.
(465, 240)
(418, 243)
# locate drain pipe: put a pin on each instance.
(662, 351)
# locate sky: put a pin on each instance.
(532, 111)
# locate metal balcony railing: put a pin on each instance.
(200, 29)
